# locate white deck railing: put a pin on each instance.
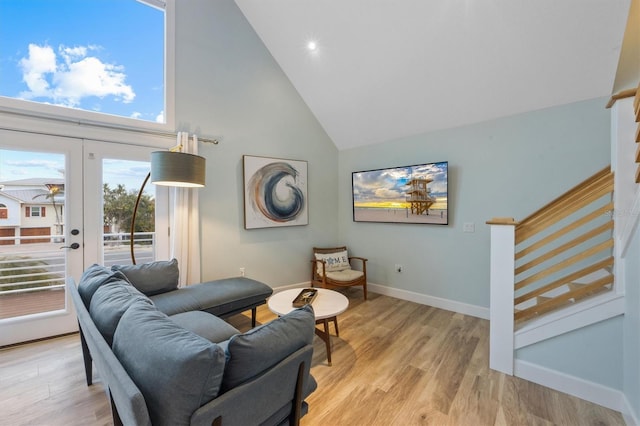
(33, 266)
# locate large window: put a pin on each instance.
(102, 56)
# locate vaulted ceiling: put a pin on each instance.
(385, 69)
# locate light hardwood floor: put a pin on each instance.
(395, 363)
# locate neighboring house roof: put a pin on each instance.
(4, 194)
(34, 182)
(27, 196)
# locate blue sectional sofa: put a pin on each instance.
(164, 358)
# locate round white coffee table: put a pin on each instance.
(327, 305)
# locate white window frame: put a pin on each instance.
(40, 110)
(31, 211)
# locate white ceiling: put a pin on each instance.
(385, 69)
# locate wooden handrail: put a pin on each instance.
(584, 186)
(621, 95)
(573, 200)
(572, 226)
(502, 221)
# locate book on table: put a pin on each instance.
(305, 297)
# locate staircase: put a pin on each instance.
(553, 271)
(571, 264)
(564, 251)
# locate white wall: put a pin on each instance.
(628, 245)
(229, 86)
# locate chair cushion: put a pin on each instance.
(94, 277)
(153, 277)
(337, 261)
(345, 275)
(110, 302)
(176, 370)
(205, 325)
(253, 352)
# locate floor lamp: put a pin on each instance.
(170, 168)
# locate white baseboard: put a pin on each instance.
(290, 286)
(630, 417)
(580, 388)
(437, 302)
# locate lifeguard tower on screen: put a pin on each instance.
(418, 195)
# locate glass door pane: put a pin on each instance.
(119, 170)
(40, 234)
(32, 264)
(121, 181)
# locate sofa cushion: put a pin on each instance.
(94, 277)
(209, 326)
(337, 261)
(219, 297)
(176, 370)
(110, 302)
(253, 352)
(152, 278)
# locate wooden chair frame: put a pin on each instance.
(325, 282)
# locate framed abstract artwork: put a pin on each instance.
(275, 192)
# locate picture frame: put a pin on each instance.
(408, 194)
(275, 192)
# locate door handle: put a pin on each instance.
(73, 246)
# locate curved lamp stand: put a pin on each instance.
(169, 168)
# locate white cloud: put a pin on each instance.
(41, 61)
(160, 117)
(72, 76)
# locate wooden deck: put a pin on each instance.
(15, 305)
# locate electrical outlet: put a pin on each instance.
(469, 227)
(242, 271)
(398, 268)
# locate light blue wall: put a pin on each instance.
(506, 167)
(592, 353)
(228, 85)
(632, 325)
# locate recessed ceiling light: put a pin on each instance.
(312, 45)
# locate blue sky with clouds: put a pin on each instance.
(98, 55)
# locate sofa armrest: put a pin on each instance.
(249, 403)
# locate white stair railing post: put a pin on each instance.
(501, 326)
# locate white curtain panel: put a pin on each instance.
(185, 229)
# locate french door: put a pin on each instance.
(52, 224)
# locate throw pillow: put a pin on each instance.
(152, 278)
(94, 277)
(257, 350)
(110, 302)
(337, 261)
(176, 370)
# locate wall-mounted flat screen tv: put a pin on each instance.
(408, 194)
